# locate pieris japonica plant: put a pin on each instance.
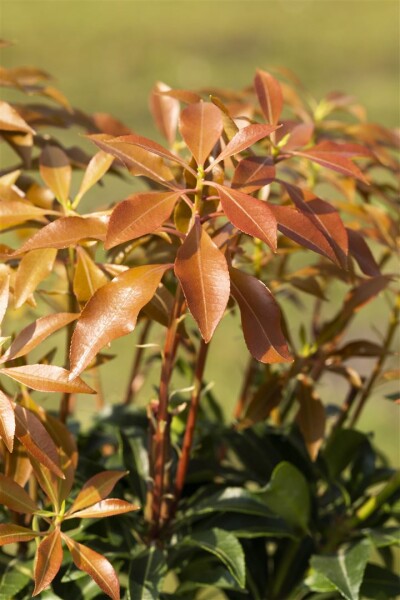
(259, 202)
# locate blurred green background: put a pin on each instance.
(106, 55)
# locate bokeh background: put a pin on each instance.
(106, 55)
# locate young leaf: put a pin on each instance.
(104, 508)
(98, 567)
(138, 160)
(345, 570)
(66, 232)
(15, 212)
(288, 495)
(7, 421)
(48, 560)
(311, 416)
(225, 546)
(165, 111)
(112, 312)
(250, 215)
(244, 138)
(15, 497)
(269, 95)
(35, 266)
(153, 147)
(37, 441)
(32, 335)
(253, 173)
(203, 274)
(96, 489)
(300, 136)
(146, 574)
(201, 127)
(4, 290)
(48, 378)
(261, 318)
(332, 159)
(13, 534)
(88, 277)
(97, 167)
(138, 215)
(56, 172)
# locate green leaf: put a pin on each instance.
(344, 570)
(288, 495)
(12, 582)
(136, 459)
(225, 546)
(380, 583)
(146, 574)
(384, 536)
(341, 449)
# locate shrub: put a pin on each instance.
(289, 500)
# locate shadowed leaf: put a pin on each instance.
(112, 312)
(15, 212)
(201, 127)
(359, 249)
(10, 120)
(15, 497)
(331, 158)
(7, 421)
(97, 167)
(88, 277)
(56, 172)
(261, 318)
(310, 417)
(4, 290)
(48, 560)
(13, 534)
(253, 173)
(203, 274)
(269, 95)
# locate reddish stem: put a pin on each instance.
(133, 378)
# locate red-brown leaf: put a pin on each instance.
(112, 312)
(104, 508)
(4, 290)
(261, 318)
(253, 173)
(250, 215)
(7, 421)
(48, 561)
(244, 138)
(37, 441)
(88, 277)
(32, 335)
(201, 127)
(269, 95)
(165, 111)
(96, 489)
(300, 136)
(138, 160)
(48, 378)
(333, 159)
(66, 232)
(56, 172)
(359, 249)
(15, 497)
(203, 274)
(147, 144)
(96, 565)
(13, 534)
(138, 215)
(310, 417)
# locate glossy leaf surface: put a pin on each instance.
(47, 561)
(203, 274)
(201, 127)
(253, 173)
(13, 534)
(34, 267)
(7, 421)
(243, 139)
(112, 312)
(96, 489)
(88, 277)
(105, 508)
(47, 378)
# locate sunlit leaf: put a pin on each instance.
(269, 95)
(56, 172)
(35, 266)
(250, 215)
(15, 497)
(261, 318)
(203, 274)
(14, 212)
(47, 378)
(153, 147)
(310, 417)
(138, 215)
(96, 565)
(32, 335)
(244, 138)
(332, 159)
(300, 136)
(4, 290)
(253, 173)
(104, 508)
(10, 120)
(13, 534)
(165, 111)
(88, 277)
(66, 232)
(48, 560)
(97, 167)
(96, 489)
(201, 127)
(112, 312)
(7, 421)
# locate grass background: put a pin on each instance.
(106, 55)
